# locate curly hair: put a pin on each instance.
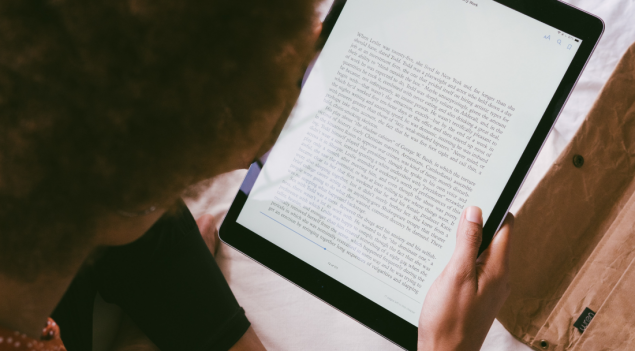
(109, 104)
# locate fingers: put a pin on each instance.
(207, 226)
(468, 239)
(496, 257)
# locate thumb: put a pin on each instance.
(495, 259)
(468, 239)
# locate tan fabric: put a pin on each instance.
(574, 239)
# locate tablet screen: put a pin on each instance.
(414, 110)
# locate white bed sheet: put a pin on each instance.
(287, 318)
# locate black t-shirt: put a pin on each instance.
(167, 282)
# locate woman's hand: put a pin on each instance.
(464, 300)
(209, 231)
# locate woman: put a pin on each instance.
(109, 110)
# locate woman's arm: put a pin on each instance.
(249, 342)
(131, 338)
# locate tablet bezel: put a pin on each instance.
(562, 16)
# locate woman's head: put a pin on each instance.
(108, 105)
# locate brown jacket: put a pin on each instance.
(574, 238)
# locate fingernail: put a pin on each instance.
(474, 215)
(511, 220)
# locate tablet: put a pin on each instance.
(414, 110)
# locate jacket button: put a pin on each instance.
(578, 161)
(544, 344)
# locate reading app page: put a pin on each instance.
(414, 110)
